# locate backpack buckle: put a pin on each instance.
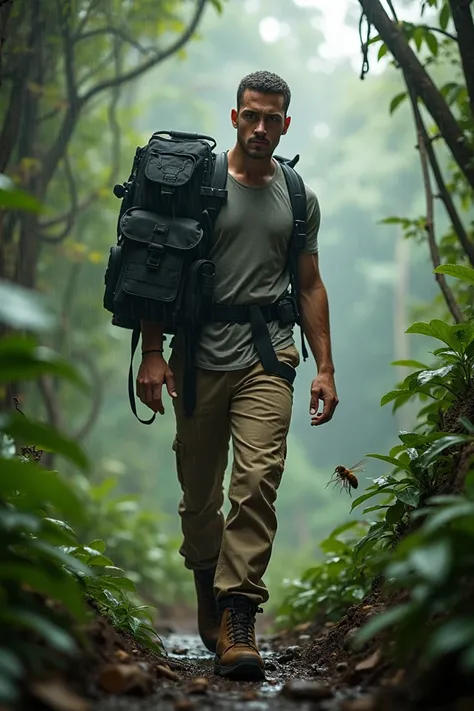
(155, 255)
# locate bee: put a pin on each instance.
(346, 477)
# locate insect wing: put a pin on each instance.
(358, 467)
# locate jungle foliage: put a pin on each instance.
(419, 517)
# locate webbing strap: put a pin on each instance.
(131, 383)
(297, 193)
(265, 350)
(240, 313)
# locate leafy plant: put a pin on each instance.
(328, 589)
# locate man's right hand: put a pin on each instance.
(152, 375)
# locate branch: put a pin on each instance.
(440, 31)
(445, 196)
(70, 217)
(430, 228)
(423, 85)
(464, 24)
(116, 31)
(153, 61)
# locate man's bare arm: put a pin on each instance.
(154, 371)
(315, 319)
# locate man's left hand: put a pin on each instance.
(323, 388)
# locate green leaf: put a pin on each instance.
(12, 198)
(444, 332)
(56, 637)
(22, 359)
(432, 562)
(410, 496)
(10, 663)
(383, 49)
(60, 587)
(393, 395)
(380, 622)
(410, 364)
(22, 308)
(456, 270)
(60, 555)
(467, 424)
(390, 460)
(432, 43)
(421, 328)
(43, 437)
(451, 636)
(35, 487)
(121, 583)
(427, 376)
(10, 519)
(444, 16)
(439, 519)
(396, 101)
(395, 513)
(98, 545)
(438, 447)
(369, 495)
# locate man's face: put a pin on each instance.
(260, 123)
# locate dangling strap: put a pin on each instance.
(131, 383)
(264, 346)
(297, 193)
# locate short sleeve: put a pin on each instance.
(313, 221)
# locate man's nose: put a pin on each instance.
(261, 127)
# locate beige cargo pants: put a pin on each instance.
(254, 409)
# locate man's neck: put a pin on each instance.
(249, 170)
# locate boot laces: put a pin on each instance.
(241, 623)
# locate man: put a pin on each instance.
(236, 398)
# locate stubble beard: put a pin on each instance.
(262, 154)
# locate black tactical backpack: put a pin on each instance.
(158, 269)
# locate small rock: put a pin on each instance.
(319, 671)
(122, 656)
(166, 672)
(124, 679)
(349, 637)
(306, 690)
(200, 685)
(56, 695)
(294, 649)
(367, 703)
(304, 637)
(342, 666)
(270, 666)
(180, 651)
(328, 625)
(183, 704)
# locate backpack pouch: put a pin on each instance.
(157, 249)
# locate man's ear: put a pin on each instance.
(286, 125)
(233, 115)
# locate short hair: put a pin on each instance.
(266, 83)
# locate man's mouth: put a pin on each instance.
(259, 142)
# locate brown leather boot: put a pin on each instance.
(237, 656)
(209, 616)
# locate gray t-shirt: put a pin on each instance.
(249, 251)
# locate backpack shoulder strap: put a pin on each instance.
(297, 192)
(217, 193)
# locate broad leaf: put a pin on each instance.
(56, 637)
(382, 621)
(432, 562)
(23, 308)
(22, 359)
(43, 437)
(410, 364)
(396, 101)
(440, 446)
(456, 270)
(12, 198)
(422, 328)
(390, 460)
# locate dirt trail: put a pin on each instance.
(290, 683)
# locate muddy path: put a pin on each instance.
(290, 682)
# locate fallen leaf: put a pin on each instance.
(166, 672)
(371, 662)
(249, 695)
(122, 679)
(58, 696)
